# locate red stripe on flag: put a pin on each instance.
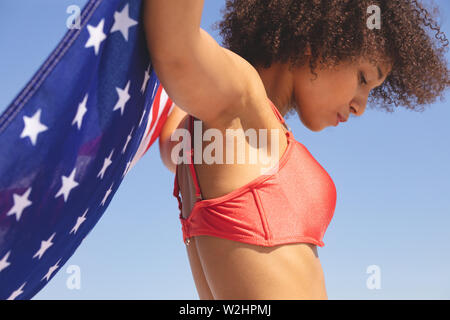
(160, 123)
(155, 109)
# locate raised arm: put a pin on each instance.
(202, 78)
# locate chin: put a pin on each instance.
(310, 124)
(315, 129)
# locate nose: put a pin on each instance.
(358, 108)
(354, 110)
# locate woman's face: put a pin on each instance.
(343, 89)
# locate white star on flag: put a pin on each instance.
(17, 293)
(4, 262)
(122, 22)
(80, 220)
(146, 78)
(20, 203)
(106, 164)
(106, 195)
(44, 246)
(128, 140)
(80, 112)
(51, 270)
(96, 36)
(123, 98)
(33, 127)
(126, 169)
(68, 183)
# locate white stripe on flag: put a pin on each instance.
(148, 135)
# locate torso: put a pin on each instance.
(283, 265)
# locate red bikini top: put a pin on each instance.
(295, 203)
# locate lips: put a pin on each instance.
(341, 118)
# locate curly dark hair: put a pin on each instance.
(267, 31)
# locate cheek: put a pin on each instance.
(345, 85)
(339, 90)
(322, 95)
(318, 101)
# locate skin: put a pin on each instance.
(335, 90)
(225, 269)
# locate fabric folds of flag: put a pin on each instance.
(69, 138)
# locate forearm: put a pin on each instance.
(170, 26)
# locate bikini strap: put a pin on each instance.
(176, 187)
(278, 115)
(198, 193)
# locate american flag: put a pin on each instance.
(69, 138)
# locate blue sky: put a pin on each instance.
(391, 172)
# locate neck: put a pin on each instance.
(279, 85)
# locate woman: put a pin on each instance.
(254, 235)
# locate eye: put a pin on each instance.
(362, 78)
